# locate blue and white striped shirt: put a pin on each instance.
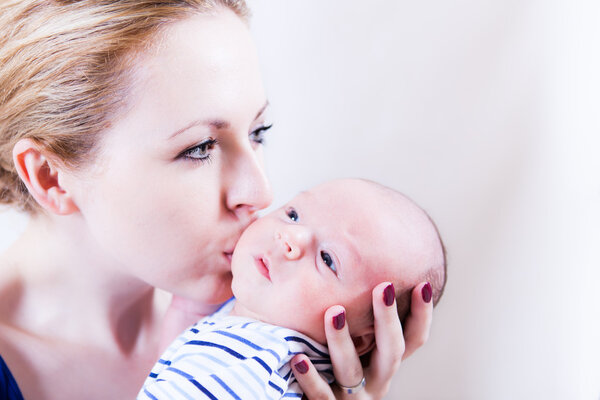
(231, 357)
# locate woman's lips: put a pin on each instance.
(262, 264)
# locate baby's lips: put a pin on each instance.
(265, 261)
(263, 266)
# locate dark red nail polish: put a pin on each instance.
(339, 320)
(389, 294)
(301, 367)
(426, 293)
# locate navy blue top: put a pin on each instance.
(9, 389)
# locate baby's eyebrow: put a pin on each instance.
(353, 250)
(350, 254)
(305, 193)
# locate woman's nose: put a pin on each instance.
(248, 189)
(294, 239)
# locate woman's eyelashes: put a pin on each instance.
(200, 152)
(328, 261)
(258, 135)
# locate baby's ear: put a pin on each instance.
(41, 178)
(364, 342)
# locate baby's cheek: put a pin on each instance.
(305, 306)
(318, 301)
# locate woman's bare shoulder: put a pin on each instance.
(46, 369)
(50, 358)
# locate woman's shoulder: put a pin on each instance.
(9, 389)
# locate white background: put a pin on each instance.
(487, 114)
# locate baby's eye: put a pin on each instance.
(292, 214)
(328, 261)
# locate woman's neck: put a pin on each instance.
(58, 285)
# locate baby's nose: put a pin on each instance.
(294, 240)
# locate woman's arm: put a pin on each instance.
(392, 346)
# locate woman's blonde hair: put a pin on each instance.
(65, 70)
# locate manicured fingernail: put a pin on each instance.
(426, 293)
(339, 320)
(389, 294)
(301, 367)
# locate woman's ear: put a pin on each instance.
(41, 178)
(364, 342)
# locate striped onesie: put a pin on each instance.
(231, 357)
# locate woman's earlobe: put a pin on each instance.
(41, 178)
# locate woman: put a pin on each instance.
(131, 131)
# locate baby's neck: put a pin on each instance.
(239, 310)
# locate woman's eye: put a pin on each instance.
(292, 214)
(258, 135)
(328, 261)
(200, 152)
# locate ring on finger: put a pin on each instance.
(353, 389)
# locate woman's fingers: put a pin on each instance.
(347, 367)
(393, 344)
(387, 356)
(346, 364)
(314, 387)
(418, 322)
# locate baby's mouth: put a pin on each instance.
(262, 264)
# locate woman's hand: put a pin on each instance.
(392, 346)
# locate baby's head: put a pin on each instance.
(331, 245)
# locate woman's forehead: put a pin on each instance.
(204, 69)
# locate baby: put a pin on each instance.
(329, 245)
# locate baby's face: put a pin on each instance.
(329, 245)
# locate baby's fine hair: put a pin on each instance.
(434, 273)
(65, 71)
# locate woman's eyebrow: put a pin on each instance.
(214, 123)
(262, 110)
